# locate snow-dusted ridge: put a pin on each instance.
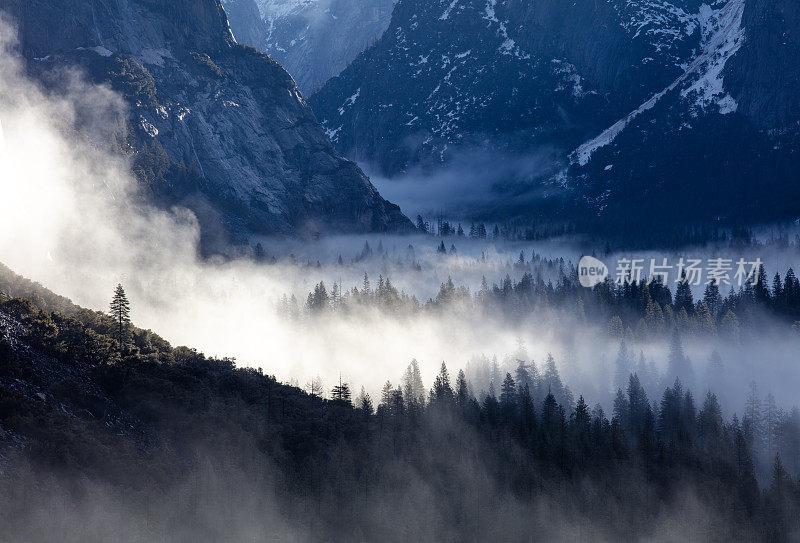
(723, 35)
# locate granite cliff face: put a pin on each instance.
(313, 39)
(245, 21)
(658, 108)
(213, 125)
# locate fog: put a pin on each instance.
(74, 220)
(475, 183)
(246, 500)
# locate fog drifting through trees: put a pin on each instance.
(79, 226)
(74, 220)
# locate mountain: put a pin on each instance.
(313, 39)
(245, 21)
(654, 109)
(213, 125)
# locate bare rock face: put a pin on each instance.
(213, 125)
(245, 21)
(313, 39)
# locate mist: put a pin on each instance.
(476, 183)
(76, 221)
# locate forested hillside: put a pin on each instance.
(174, 445)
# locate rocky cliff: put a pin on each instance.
(313, 39)
(245, 20)
(213, 125)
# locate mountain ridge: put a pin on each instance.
(216, 126)
(671, 66)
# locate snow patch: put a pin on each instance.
(723, 35)
(148, 127)
(722, 40)
(446, 14)
(489, 14)
(153, 56)
(102, 51)
(333, 135)
(350, 101)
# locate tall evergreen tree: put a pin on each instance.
(121, 314)
(341, 393)
(413, 389)
(442, 392)
(752, 421)
(683, 295)
(508, 398)
(678, 365)
(712, 298)
(462, 389)
(623, 366)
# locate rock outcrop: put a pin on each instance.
(313, 39)
(213, 125)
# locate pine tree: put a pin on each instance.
(752, 426)
(623, 366)
(462, 389)
(777, 291)
(341, 393)
(386, 394)
(638, 406)
(442, 392)
(508, 398)
(527, 415)
(365, 287)
(413, 389)
(120, 313)
(523, 375)
(683, 295)
(710, 423)
(712, 298)
(791, 293)
(761, 288)
(678, 364)
(771, 424)
(364, 402)
(315, 387)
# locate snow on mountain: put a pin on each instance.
(637, 96)
(421, 95)
(722, 36)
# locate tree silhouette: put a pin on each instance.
(121, 313)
